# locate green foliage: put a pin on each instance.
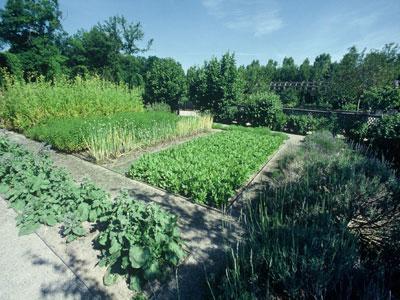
(140, 242)
(32, 30)
(23, 105)
(261, 109)
(165, 82)
(216, 85)
(384, 137)
(158, 106)
(327, 229)
(255, 78)
(302, 124)
(382, 98)
(208, 169)
(9, 64)
(289, 97)
(106, 137)
(107, 49)
(44, 194)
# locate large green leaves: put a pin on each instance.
(139, 240)
(138, 256)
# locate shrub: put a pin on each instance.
(23, 105)
(382, 98)
(302, 124)
(158, 106)
(384, 136)
(9, 65)
(261, 109)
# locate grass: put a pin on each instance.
(26, 104)
(208, 169)
(108, 137)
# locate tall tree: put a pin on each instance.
(31, 29)
(165, 82)
(105, 49)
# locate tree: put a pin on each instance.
(31, 29)
(165, 82)
(255, 78)
(107, 49)
(217, 85)
(322, 67)
(305, 70)
(288, 72)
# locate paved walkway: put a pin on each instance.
(205, 232)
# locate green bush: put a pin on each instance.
(23, 105)
(384, 136)
(302, 124)
(261, 109)
(158, 106)
(9, 64)
(329, 228)
(381, 98)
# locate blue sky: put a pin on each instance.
(192, 31)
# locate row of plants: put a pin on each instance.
(138, 241)
(25, 104)
(108, 137)
(209, 169)
(326, 226)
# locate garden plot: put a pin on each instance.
(201, 230)
(210, 169)
(105, 138)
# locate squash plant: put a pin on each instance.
(139, 242)
(44, 194)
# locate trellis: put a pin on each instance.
(307, 85)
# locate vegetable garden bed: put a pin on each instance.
(107, 137)
(209, 169)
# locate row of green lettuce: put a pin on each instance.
(209, 169)
(326, 226)
(138, 241)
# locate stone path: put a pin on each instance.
(205, 232)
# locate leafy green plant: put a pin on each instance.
(138, 243)
(73, 228)
(42, 193)
(208, 169)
